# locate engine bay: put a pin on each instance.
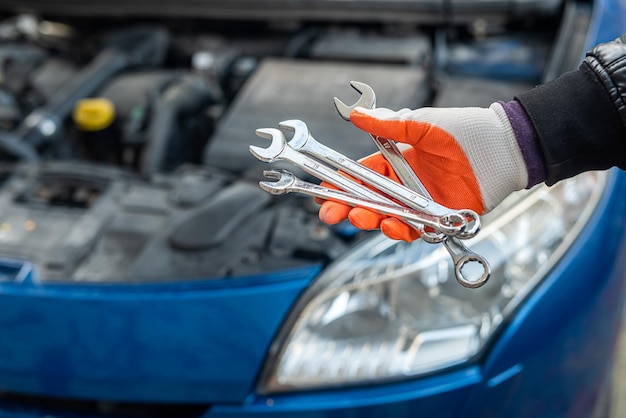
(125, 151)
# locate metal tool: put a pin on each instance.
(280, 150)
(415, 194)
(287, 182)
(461, 255)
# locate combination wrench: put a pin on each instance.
(279, 149)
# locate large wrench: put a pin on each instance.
(461, 255)
(279, 150)
(287, 182)
(303, 141)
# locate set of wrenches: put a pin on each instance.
(408, 201)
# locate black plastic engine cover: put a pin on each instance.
(91, 224)
(288, 89)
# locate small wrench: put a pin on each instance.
(461, 255)
(387, 147)
(287, 182)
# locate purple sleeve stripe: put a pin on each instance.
(527, 141)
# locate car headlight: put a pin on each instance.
(391, 310)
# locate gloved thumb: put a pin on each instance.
(404, 125)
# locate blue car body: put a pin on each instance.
(204, 342)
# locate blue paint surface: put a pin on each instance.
(198, 343)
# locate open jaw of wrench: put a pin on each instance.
(279, 150)
(287, 182)
(387, 147)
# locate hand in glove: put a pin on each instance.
(467, 158)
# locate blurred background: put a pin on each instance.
(144, 273)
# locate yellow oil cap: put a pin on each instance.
(93, 114)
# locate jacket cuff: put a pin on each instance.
(577, 125)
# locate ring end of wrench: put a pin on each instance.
(469, 283)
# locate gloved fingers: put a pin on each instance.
(365, 219)
(398, 230)
(333, 212)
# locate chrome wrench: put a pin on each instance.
(387, 147)
(279, 150)
(287, 182)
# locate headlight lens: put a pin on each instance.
(391, 310)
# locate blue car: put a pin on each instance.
(145, 274)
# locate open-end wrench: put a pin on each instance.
(279, 150)
(287, 182)
(387, 147)
(303, 141)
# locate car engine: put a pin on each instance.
(124, 151)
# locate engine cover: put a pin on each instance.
(300, 89)
(82, 223)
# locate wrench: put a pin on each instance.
(279, 150)
(303, 141)
(287, 182)
(461, 255)
(387, 147)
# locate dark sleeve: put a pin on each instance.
(580, 118)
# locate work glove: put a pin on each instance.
(467, 158)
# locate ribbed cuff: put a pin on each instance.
(528, 142)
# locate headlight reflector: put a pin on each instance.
(391, 310)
